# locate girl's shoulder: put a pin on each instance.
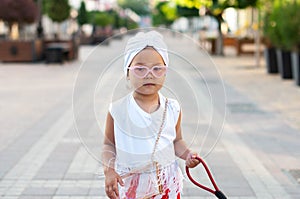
(118, 105)
(173, 104)
(174, 108)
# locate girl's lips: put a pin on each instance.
(149, 84)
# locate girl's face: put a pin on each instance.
(149, 84)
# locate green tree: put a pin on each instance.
(117, 20)
(101, 22)
(103, 19)
(57, 10)
(98, 18)
(130, 24)
(164, 13)
(82, 17)
(127, 23)
(215, 8)
(187, 12)
(140, 7)
(18, 13)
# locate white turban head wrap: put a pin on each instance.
(142, 40)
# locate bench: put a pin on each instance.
(240, 43)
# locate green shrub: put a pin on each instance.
(282, 25)
(102, 19)
(272, 26)
(290, 26)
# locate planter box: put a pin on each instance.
(20, 51)
(296, 67)
(57, 52)
(72, 43)
(271, 60)
(284, 63)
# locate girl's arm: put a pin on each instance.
(181, 149)
(108, 151)
(112, 178)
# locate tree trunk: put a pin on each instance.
(219, 41)
(14, 31)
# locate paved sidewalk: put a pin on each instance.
(41, 156)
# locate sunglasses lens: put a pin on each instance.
(140, 71)
(159, 71)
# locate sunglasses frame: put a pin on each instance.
(148, 70)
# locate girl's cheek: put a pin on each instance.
(136, 83)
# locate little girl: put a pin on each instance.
(144, 126)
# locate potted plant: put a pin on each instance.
(277, 35)
(269, 31)
(290, 30)
(58, 11)
(59, 49)
(270, 49)
(296, 66)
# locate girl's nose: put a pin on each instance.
(149, 74)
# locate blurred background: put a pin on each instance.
(54, 29)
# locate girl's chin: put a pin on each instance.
(148, 89)
(144, 91)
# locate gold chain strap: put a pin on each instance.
(160, 130)
(157, 167)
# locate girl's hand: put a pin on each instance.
(191, 160)
(112, 178)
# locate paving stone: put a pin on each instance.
(79, 176)
(39, 191)
(72, 191)
(35, 197)
(97, 192)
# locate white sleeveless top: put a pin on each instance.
(135, 132)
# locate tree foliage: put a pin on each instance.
(140, 7)
(217, 7)
(118, 21)
(164, 13)
(193, 3)
(187, 12)
(102, 19)
(290, 29)
(82, 17)
(57, 10)
(282, 25)
(214, 8)
(21, 11)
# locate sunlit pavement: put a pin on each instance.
(41, 155)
